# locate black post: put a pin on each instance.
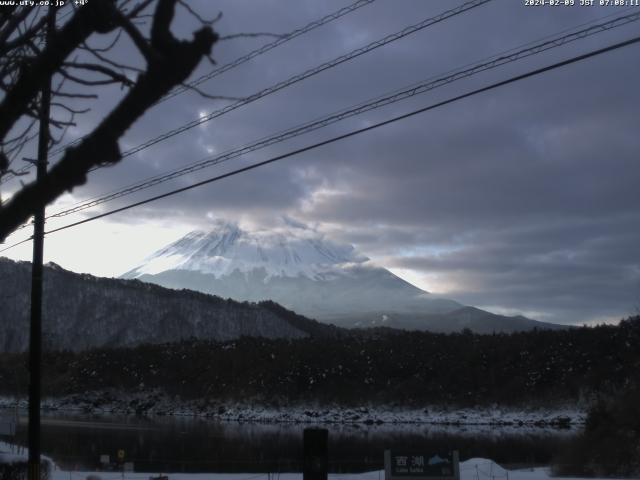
(35, 338)
(316, 454)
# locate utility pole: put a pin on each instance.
(35, 338)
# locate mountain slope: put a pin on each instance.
(82, 311)
(294, 266)
(312, 275)
(474, 319)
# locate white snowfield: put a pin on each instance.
(15, 454)
(472, 469)
(569, 418)
(288, 252)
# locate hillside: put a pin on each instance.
(83, 311)
(474, 319)
(312, 275)
(384, 367)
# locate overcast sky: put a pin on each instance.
(522, 200)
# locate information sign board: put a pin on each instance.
(421, 465)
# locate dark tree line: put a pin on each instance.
(610, 443)
(359, 368)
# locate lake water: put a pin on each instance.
(179, 444)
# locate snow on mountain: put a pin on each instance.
(226, 248)
(311, 274)
(293, 265)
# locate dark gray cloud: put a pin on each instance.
(579, 270)
(523, 198)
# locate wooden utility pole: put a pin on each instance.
(35, 338)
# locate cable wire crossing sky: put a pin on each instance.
(515, 189)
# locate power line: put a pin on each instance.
(306, 74)
(361, 130)
(16, 244)
(265, 48)
(23, 170)
(249, 56)
(224, 68)
(620, 21)
(302, 76)
(379, 102)
(309, 73)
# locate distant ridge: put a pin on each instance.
(474, 319)
(81, 311)
(313, 275)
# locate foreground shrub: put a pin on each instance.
(610, 443)
(19, 471)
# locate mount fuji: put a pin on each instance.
(304, 271)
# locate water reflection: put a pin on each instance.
(178, 444)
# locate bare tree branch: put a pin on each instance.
(21, 134)
(114, 64)
(161, 37)
(93, 67)
(136, 11)
(96, 16)
(107, 47)
(208, 95)
(61, 124)
(173, 62)
(252, 35)
(12, 24)
(76, 95)
(23, 37)
(86, 82)
(16, 173)
(69, 109)
(138, 39)
(197, 16)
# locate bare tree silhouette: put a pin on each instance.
(78, 68)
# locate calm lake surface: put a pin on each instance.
(179, 444)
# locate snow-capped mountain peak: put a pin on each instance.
(303, 270)
(290, 251)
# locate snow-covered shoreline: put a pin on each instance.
(471, 469)
(152, 405)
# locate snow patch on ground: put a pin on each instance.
(11, 454)
(155, 403)
(472, 469)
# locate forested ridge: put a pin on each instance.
(379, 366)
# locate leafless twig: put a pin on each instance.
(252, 35)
